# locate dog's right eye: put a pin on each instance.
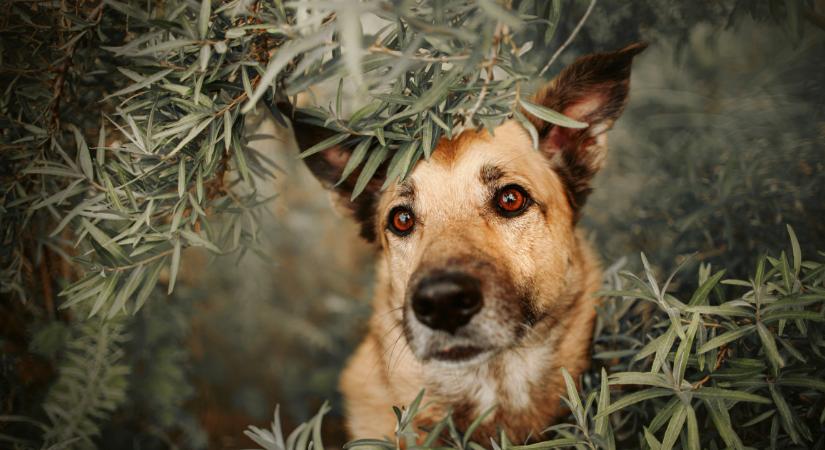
(512, 200)
(401, 221)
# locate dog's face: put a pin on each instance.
(478, 241)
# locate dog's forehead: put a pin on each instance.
(458, 166)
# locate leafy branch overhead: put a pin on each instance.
(429, 71)
(167, 159)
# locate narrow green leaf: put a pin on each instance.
(531, 129)
(193, 133)
(551, 116)
(135, 277)
(555, 443)
(633, 398)
(203, 18)
(796, 250)
(664, 414)
(148, 285)
(684, 350)
(721, 310)
(105, 294)
(325, 144)
(83, 155)
(227, 130)
(702, 293)
(143, 84)
(664, 348)
(674, 427)
(760, 418)
(802, 382)
(355, 159)
(651, 440)
(721, 419)
(693, 442)
(812, 316)
(181, 177)
(572, 393)
(711, 393)
(427, 139)
(104, 240)
(769, 345)
(376, 158)
(788, 419)
(174, 266)
(641, 378)
(602, 424)
(203, 63)
(475, 424)
(724, 338)
(553, 20)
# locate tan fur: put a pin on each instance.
(523, 381)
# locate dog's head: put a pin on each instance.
(478, 242)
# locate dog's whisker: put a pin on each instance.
(393, 347)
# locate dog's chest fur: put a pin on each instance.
(509, 381)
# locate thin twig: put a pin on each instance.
(569, 38)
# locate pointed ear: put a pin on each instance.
(592, 90)
(327, 166)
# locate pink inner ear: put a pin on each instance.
(584, 107)
(336, 157)
(581, 109)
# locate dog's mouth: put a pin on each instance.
(458, 353)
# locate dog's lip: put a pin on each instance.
(458, 353)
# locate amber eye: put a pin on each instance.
(511, 200)
(401, 221)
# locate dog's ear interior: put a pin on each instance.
(592, 90)
(327, 166)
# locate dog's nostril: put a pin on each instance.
(423, 306)
(468, 303)
(447, 301)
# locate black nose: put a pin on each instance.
(447, 301)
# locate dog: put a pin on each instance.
(485, 287)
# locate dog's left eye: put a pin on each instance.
(401, 221)
(511, 200)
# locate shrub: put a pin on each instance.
(737, 364)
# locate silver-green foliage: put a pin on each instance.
(167, 157)
(739, 364)
(91, 385)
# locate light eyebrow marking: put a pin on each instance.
(406, 190)
(490, 174)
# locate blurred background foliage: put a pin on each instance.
(722, 144)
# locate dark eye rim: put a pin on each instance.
(510, 214)
(391, 223)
